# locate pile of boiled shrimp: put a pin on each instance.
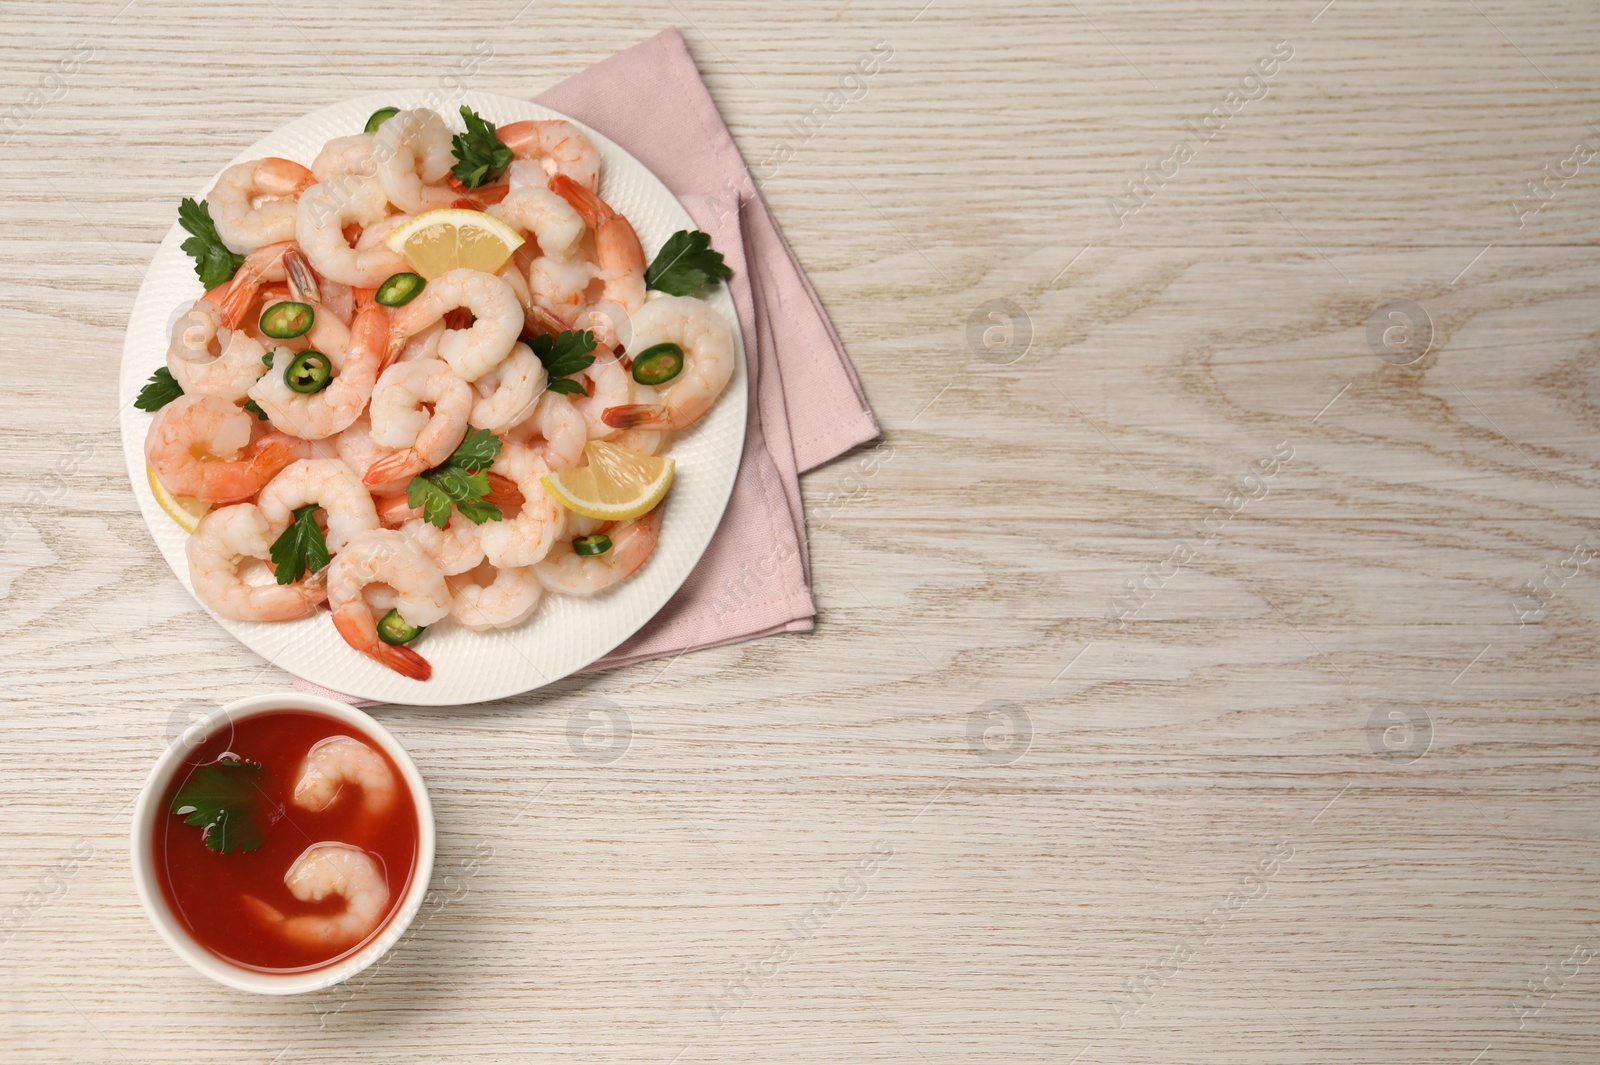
(401, 385)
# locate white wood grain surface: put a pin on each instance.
(1191, 833)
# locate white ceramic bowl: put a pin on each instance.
(148, 812)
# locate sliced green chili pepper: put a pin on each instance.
(658, 364)
(598, 544)
(309, 372)
(393, 628)
(379, 117)
(400, 289)
(287, 320)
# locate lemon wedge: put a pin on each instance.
(617, 484)
(185, 510)
(436, 242)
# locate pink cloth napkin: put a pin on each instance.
(806, 405)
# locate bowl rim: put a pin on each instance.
(141, 839)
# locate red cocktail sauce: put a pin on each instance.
(207, 890)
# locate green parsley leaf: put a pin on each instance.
(267, 359)
(254, 408)
(459, 484)
(301, 549)
(224, 799)
(213, 262)
(686, 264)
(434, 501)
(564, 354)
(477, 450)
(567, 388)
(478, 511)
(444, 487)
(160, 390)
(480, 156)
(459, 481)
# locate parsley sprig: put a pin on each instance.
(564, 354)
(301, 548)
(157, 392)
(224, 799)
(461, 482)
(213, 262)
(480, 156)
(686, 264)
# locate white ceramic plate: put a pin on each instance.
(565, 634)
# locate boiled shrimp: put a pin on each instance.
(494, 597)
(386, 563)
(707, 343)
(533, 318)
(420, 409)
(205, 359)
(474, 351)
(545, 216)
(324, 870)
(558, 287)
(317, 415)
(609, 385)
(201, 446)
(455, 548)
(325, 209)
(331, 486)
(226, 539)
(558, 145)
(339, 298)
(377, 233)
(412, 151)
(568, 573)
(253, 203)
(337, 762)
(425, 345)
(555, 429)
(345, 155)
(508, 393)
(523, 538)
(359, 451)
(618, 254)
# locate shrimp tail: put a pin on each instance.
(539, 320)
(315, 588)
(470, 199)
(638, 416)
(246, 286)
(302, 278)
(396, 510)
(592, 208)
(355, 624)
(403, 660)
(272, 454)
(287, 177)
(235, 307)
(504, 493)
(395, 466)
(616, 243)
(234, 482)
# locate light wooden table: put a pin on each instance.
(1206, 669)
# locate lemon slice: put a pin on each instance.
(185, 510)
(616, 485)
(436, 242)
